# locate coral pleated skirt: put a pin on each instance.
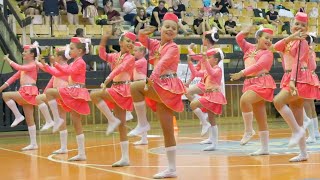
(263, 86)
(305, 84)
(121, 96)
(170, 91)
(213, 101)
(29, 94)
(76, 99)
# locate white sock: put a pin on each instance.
(303, 147)
(315, 124)
(171, 155)
(141, 112)
(264, 140)
(103, 107)
(247, 120)
(213, 136)
(124, 150)
(200, 115)
(80, 142)
(45, 112)
(13, 106)
(64, 139)
(288, 116)
(54, 109)
(33, 134)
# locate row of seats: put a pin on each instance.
(64, 30)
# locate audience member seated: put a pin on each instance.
(89, 10)
(31, 7)
(141, 20)
(130, 10)
(114, 17)
(200, 24)
(72, 11)
(178, 8)
(230, 26)
(157, 15)
(221, 6)
(182, 29)
(218, 22)
(116, 32)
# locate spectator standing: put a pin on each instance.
(51, 9)
(89, 10)
(72, 11)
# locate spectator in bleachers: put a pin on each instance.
(273, 16)
(114, 17)
(221, 6)
(89, 10)
(157, 15)
(104, 2)
(141, 20)
(72, 11)
(130, 10)
(79, 32)
(200, 24)
(230, 26)
(31, 7)
(314, 13)
(182, 28)
(218, 22)
(51, 9)
(178, 8)
(116, 33)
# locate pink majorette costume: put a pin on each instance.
(198, 71)
(167, 85)
(27, 73)
(304, 80)
(212, 99)
(257, 67)
(122, 68)
(58, 78)
(140, 67)
(74, 97)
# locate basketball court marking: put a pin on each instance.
(77, 164)
(98, 166)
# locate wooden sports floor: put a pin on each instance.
(229, 161)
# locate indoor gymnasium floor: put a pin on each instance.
(229, 161)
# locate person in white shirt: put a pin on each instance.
(130, 9)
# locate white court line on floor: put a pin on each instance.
(96, 166)
(78, 164)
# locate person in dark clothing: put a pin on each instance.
(221, 6)
(157, 14)
(178, 9)
(230, 26)
(79, 32)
